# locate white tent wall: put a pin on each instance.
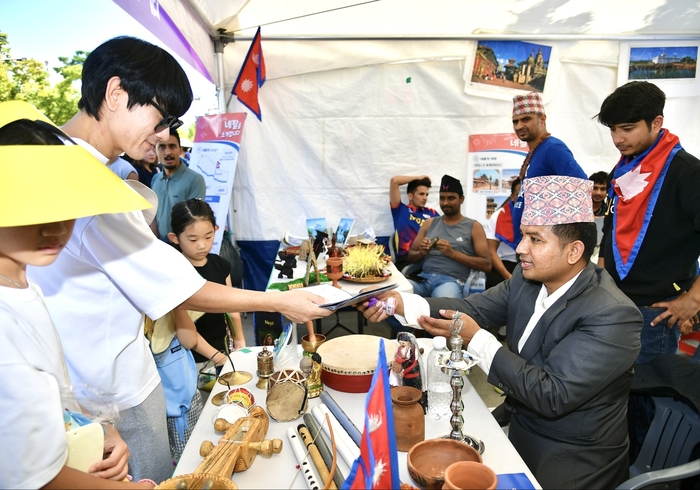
(331, 140)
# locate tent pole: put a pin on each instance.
(219, 59)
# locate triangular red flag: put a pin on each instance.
(377, 467)
(251, 77)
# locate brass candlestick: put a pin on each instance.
(456, 365)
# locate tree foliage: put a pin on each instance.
(28, 79)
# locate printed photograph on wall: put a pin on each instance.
(672, 65)
(501, 69)
(511, 64)
(655, 62)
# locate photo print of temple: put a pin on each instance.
(511, 64)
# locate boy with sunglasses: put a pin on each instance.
(114, 270)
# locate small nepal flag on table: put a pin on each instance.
(251, 77)
(378, 464)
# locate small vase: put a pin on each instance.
(409, 419)
(334, 269)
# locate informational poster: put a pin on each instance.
(217, 143)
(494, 162)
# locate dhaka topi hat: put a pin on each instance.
(557, 200)
(530, 103)
(450, 184)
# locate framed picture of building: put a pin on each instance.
(502, 69)
(672, 65)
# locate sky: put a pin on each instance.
(647, 53)
(47, 29)
(519, 51)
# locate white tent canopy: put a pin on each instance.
(356, 95)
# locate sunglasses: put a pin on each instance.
(168, 121)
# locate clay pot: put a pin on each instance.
(469, 475)
(409, 419)
(334, 269)
(428, 460)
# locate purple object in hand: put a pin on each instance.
(373, 301)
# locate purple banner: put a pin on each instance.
(152, 16)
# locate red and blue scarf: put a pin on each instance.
(505, 227)
(633, 214)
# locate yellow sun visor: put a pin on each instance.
(48, 183)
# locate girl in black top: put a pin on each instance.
(194, 225)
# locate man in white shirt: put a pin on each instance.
(114, 270)
(573, 338)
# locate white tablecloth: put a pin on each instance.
(279, 470)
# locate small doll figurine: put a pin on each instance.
(286, 265)
(320, 242)
(408, 362)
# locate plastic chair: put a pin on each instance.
(393, 240)
(665, 454)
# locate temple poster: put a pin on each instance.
(494, 161)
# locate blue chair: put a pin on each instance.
(670, 450)
(666, 452)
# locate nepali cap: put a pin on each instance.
(530, 103)
(450, 184)
(557, 200)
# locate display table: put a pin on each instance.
(280, 470)
(396, 277)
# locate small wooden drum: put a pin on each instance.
(349, 362)
(287, 395)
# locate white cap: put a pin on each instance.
(439, 343)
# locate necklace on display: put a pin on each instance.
(12, 281)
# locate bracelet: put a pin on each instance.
(148, 480)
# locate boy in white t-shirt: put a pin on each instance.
(37, 213)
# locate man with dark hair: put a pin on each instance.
(176, 183)
(600, 192)
(573, 338)
(408, 218)
(450, 246)
(114, 271)
(651, 239)
(546, 155)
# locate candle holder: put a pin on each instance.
(456, 365)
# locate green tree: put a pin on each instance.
(20, 78)
(191, 130)
(28, 79)
(60, 102)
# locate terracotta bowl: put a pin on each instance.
(469, 474)
(428, 460)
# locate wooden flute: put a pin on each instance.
(315, 455)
